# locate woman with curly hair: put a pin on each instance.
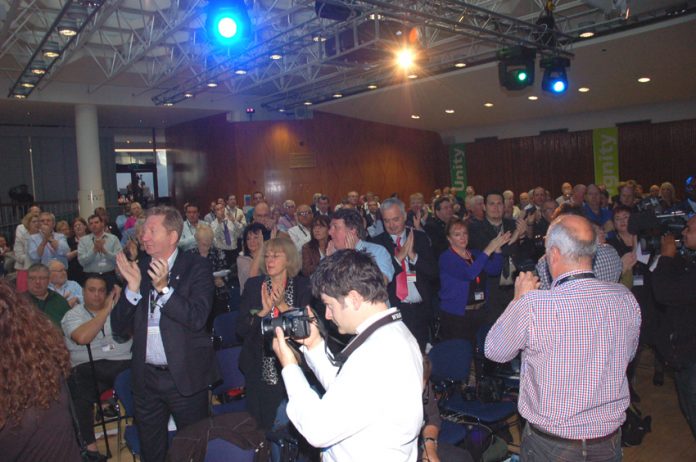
(35, 422)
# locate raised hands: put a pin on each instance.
(130, 272)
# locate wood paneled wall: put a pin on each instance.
(212, 158)
(648, 153)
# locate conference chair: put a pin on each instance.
(225, 330)
(231, 391)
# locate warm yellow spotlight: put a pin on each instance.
(405, 58)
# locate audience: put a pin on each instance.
(440, 269)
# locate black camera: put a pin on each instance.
(651, 223)
(294, 322)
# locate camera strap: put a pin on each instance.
(341, 358)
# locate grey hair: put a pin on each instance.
(391, 202)
(568, 243)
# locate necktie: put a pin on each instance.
(401, 280)
(226, 231)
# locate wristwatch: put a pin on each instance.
(164, 291)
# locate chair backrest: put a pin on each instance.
(228, 362)
(220, 450)
(451, 360)
(481, 335)
(123, 384)
(225, 327)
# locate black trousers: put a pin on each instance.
(153, 408)
(81, 383)
(417, 317)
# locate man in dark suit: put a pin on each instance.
(165, 305)
(415, 269)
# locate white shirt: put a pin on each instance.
(235, 229)
(188, 235)
(300, 235)
(373, 409)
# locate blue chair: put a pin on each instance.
(123, 386)
(509, 372)
(225, 330)
(451, 364)
(220, 450)
(232, 378)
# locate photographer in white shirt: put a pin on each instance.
(372, 408)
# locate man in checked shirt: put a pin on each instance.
(576, 341)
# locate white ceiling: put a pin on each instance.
(609, 66)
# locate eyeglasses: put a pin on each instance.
(304, 213)
(273, 256)
(38, 278)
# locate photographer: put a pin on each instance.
(372, 408)
(674, 285)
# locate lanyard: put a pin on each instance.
(358, 340)
(574, 277)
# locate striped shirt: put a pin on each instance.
(576, 341)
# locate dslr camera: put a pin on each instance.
(295, 324)
(651, 223)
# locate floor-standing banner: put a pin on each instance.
(605, 143)
(458, 169)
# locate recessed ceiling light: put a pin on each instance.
(169, 104)
(460, 65)
(586, 34)
(412, 76)
(415, 116)
(319, 38)
(583, 89)
(240, 72)
(488, 104)
(449, 111)
(337, 95)
(644, 79)
(307, 103)
(28, 84)
(19, 96)
(188, 94)
(372, 86)
(532, 98)
(276, 56)
(212, 84)
(281, 110)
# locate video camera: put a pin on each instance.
(295, 324)
(651, 223)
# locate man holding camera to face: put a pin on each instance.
(674, 286)
(372, 408)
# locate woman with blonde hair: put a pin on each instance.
(30, 226)
(279, 289)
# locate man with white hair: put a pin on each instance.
(59, 283)
(576, 342)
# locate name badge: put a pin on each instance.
(411, 277)
(638, 280)
(479, 295)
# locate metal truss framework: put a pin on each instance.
(164, 44)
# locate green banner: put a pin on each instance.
(458, 169)
(605, 143)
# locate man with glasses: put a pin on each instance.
(45, 299)
(59, 283)
(302, 232)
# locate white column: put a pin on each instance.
(91, 193)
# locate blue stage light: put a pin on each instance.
(228, 22)
(555, 78)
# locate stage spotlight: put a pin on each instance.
(405, 58)
(555, 78)
(228, 22)
(516, 67)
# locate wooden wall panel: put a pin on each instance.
(520, 164)
(648, 153)
(349, 154)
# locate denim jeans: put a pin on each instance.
(540, 448)
(685, 379)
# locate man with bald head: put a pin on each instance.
(576, 342)
(71, 291)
